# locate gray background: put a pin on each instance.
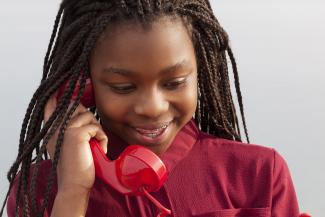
(280, 53)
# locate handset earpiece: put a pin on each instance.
(87, 99)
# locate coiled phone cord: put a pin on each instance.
(163, 210)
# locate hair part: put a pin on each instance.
(77, 27)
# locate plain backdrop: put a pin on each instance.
(280, 50)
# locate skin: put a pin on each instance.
(150, 96)
(153, 97)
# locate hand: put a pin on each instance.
(75, 170)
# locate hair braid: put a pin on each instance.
(77, 27)
(222, 39)
(223, 87)
(240, 100)
(48, 59)
(102, 23)
(52, 174)
(70, 48)
(27, 150)
(122, 5)
(72, 28)
(210, 87)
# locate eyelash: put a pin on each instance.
(176, 84)
(128, 89)
(123, 90)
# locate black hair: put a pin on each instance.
(78, 25)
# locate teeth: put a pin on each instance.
(151, 133)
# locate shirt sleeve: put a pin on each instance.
(284, 200)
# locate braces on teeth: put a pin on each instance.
(156, 132)
(152, 135)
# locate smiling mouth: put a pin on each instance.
(152, 133)
(152, 136)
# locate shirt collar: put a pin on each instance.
(181, 145)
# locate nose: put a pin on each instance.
(151, 104)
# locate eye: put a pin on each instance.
(175, 84)
(122, 89)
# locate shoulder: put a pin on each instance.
(250, 174)
(239, 154)
(235, 148)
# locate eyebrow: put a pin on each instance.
(127, 72)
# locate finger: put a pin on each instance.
(79, 110)
(48, 111)
(102, 139)
(81, 119)
(96, 131)
(51, 106)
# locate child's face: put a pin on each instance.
(145, 79)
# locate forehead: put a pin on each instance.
(165, 38)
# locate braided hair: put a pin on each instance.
(78, 25)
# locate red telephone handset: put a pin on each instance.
(136, 171)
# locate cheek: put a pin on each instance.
(187, 100)
(112, 107)
(119, 108)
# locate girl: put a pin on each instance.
(159, 78)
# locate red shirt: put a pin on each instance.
(208, 177)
